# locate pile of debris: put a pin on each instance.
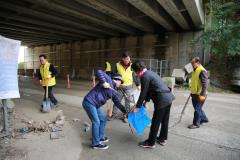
(54, 126)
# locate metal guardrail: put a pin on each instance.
(161, 67)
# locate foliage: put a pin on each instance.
(222, 28)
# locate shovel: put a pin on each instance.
(46, 104)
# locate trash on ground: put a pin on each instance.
(24, 130)
(45, 126)
(86, 126)
(75, 120)
(56, 135)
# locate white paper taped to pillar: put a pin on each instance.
(9, 50)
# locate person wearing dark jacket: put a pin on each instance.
(95, 99)
(152, 87)
(46, 76)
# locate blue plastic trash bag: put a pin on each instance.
(139, 120)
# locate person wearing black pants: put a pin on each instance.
(152, 87)
(160, 116)
(50, 95)
(47, 77)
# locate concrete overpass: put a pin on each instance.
(39, 22)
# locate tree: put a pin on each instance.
(221, 34)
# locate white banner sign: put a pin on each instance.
(9, 50)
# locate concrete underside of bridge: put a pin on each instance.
(78, 35)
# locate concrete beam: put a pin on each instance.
(29, 43)
(52, 18)
(24, 30)
(114, 11)
(30, 35)
(64, 10)
(44, 24)
(35, 42)
(153, 13)
(29, 39)
(172, 9)
(39, 43)
(41, 29)
(195, 10)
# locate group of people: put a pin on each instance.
(151, 87)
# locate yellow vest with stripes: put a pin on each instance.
(127, 75)
(108, 67)
(44, 71)
(196, 84)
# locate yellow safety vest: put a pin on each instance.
(108, 67)
(44, 71)
(127, 75)
(196, 84)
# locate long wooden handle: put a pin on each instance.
(183, 110)
(46, 91)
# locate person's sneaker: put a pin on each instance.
(104, 140)
(204, 121)
(192, 126)
(110, 118)
(161, 142)
(100, 146)
(145, 144)
(125, 120)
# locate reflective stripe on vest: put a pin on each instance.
(196, 84)
(126, 74)
(44, 71)
(108, 67)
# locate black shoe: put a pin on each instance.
(100, 146)
(104, 140)
(204, 121)
(145, 144)
(161, 142)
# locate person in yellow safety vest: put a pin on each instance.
(108, 68)
(198, 89)
(46, 76)
(124, 69)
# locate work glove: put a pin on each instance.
(139, 88)
(106, 85)
(202, 98)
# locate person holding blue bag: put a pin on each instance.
(152, 87)
(139, 120)
(95, 99)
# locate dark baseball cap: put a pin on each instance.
(117, 76)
